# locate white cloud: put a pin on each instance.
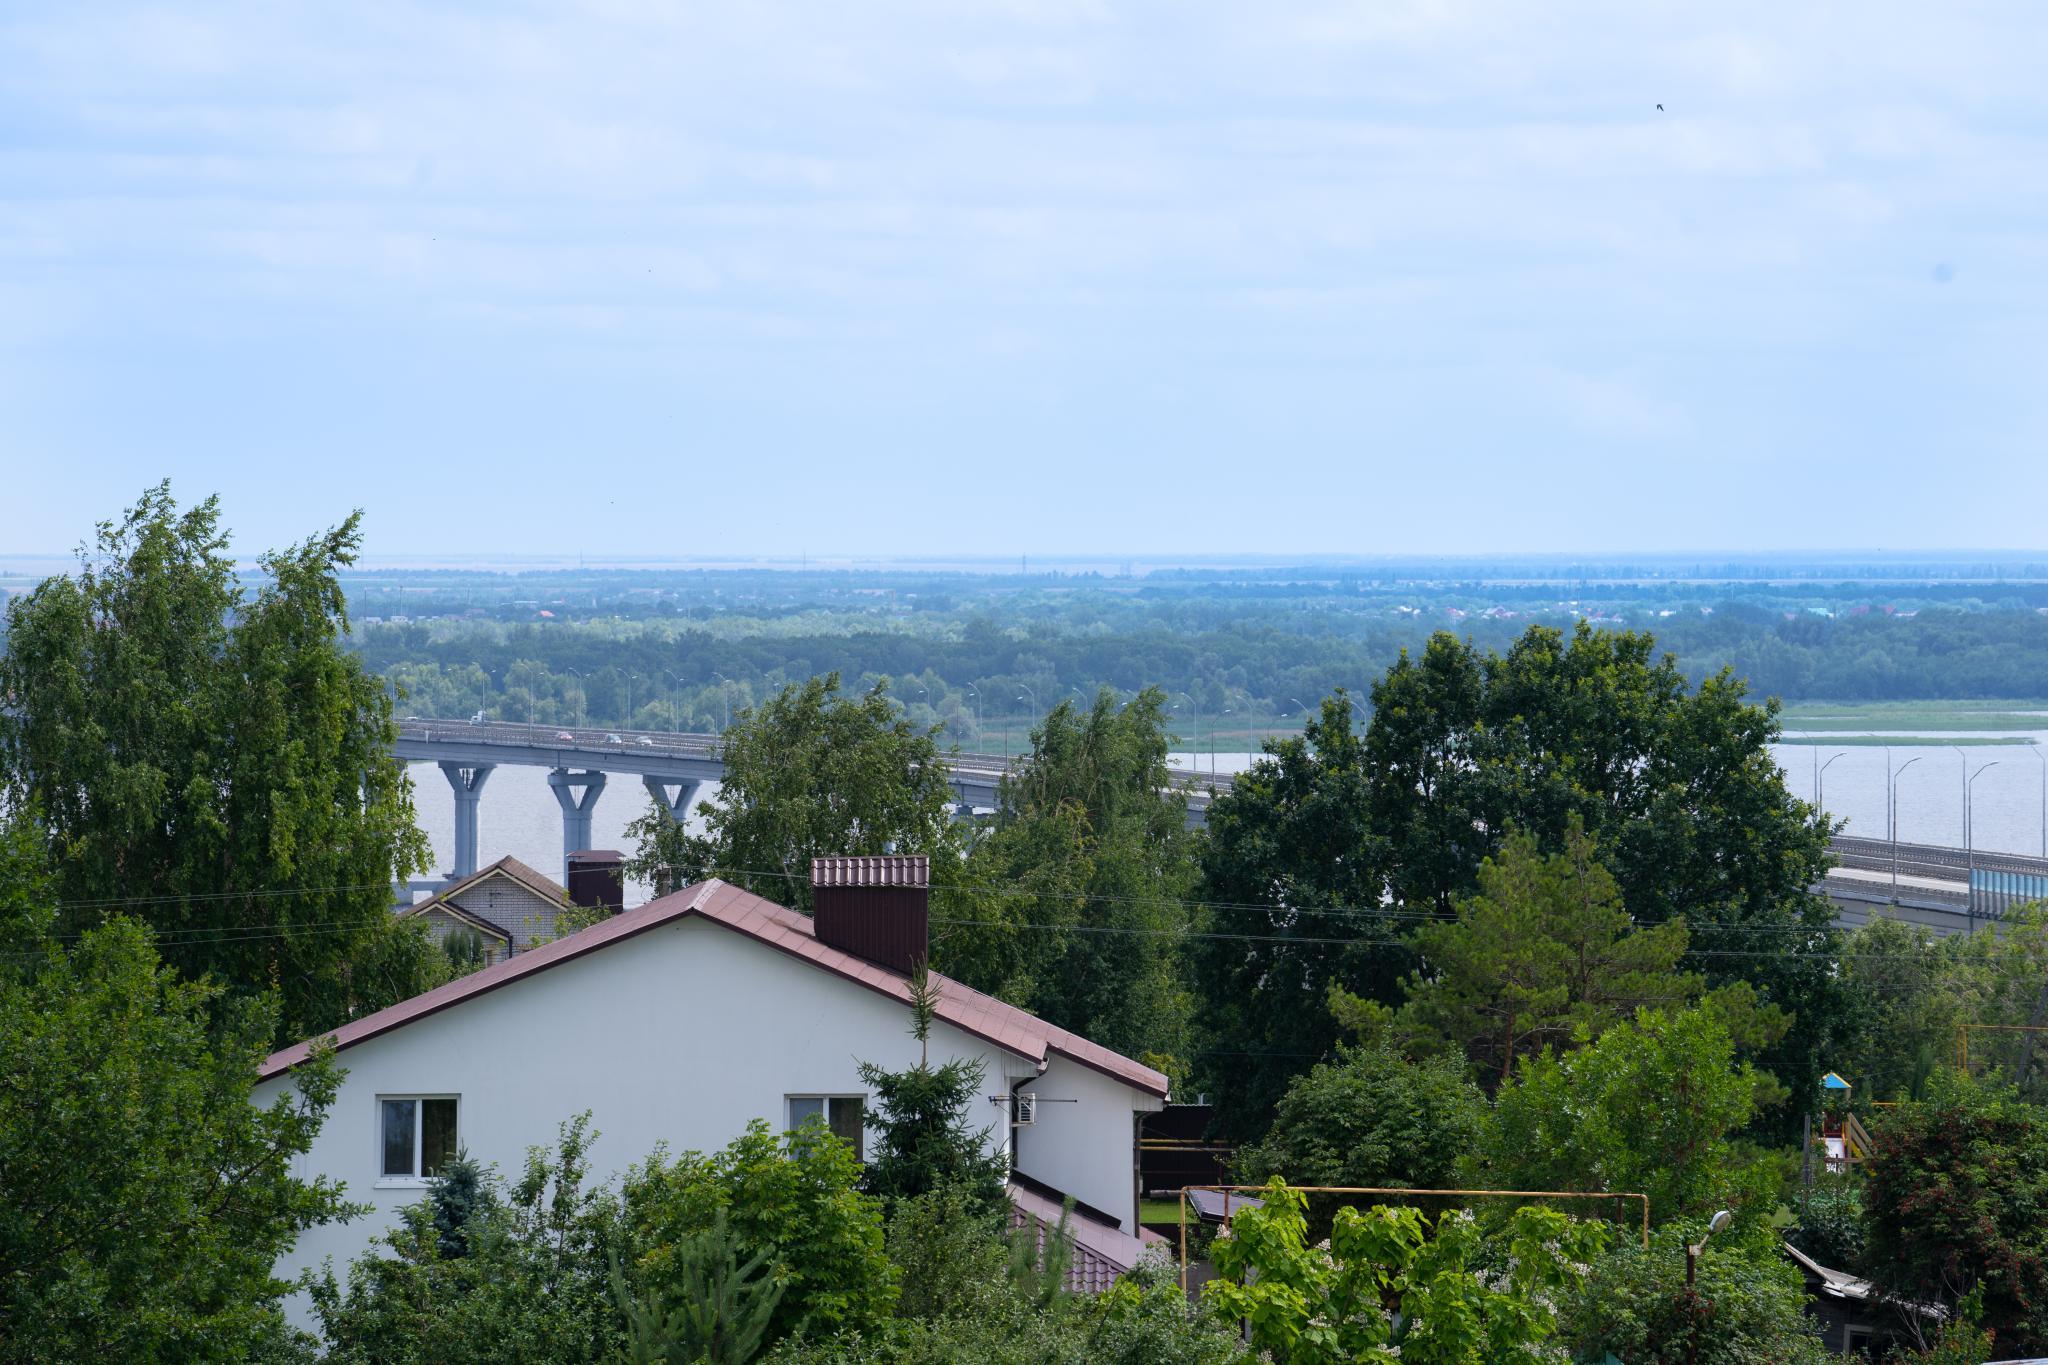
(827, 208)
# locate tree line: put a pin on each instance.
(1537, 917)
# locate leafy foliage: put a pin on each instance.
(1392, 1287)
(1675, 784)
(1653, 1106)
(715, 1312)
(1748, 1306)
(218, 762)
(1371, 1118)
(1292, 873)
(1543, 953)
(522, 1278)
(923, 1141)
(810, 774)
(796, 1196)
(1086, 869)
(146, 1196)
(1831, 1227)
(1956, 1206)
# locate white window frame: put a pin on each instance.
(415, 1181)
(824, 1099)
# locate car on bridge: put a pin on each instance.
(565, 737)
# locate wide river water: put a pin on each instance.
(518, 814)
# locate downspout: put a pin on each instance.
(1017, 1132)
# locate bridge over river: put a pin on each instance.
(671, 765)
(1946, 889)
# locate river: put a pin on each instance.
(518, 814)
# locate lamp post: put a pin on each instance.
(1006, 728)
(977, 711)
(675, 702)
(1892, 812)
(630, 677)
(582, 697)
(1969, 847)
(1693, 1249)
(1194, 743)
(2035, 750)
(1305, 714)
(1820, 783)
(1212, 746)
(725, 696)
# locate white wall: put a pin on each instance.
(1092, 1144)
(679, 1035)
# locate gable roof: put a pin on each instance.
(547, 888)
(721, 903)
(454, 911)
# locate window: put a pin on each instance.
(417, 1135)
(845, 1115)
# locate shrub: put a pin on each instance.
(796, 1196)
(1746, 1308)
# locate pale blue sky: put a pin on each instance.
(897, 277)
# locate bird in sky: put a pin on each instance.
(1660, 108)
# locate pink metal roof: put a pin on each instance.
(890, 869)
(779, 927)
(1101, 1253)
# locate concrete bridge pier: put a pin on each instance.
(576, 809)
(468, 781)
(676, 807)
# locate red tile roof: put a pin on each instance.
(966, 1009)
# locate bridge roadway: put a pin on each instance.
(671, 765)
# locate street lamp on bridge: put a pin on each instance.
(1892, 810)
(1969, 847)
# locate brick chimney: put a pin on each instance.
(597, 878)
(877, 908)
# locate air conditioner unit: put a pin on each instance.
(1024, 1109)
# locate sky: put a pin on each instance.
(1030, 276)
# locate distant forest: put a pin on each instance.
(986, 654)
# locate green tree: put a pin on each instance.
(485, 1272)
(1544, 951)
(1747, 1306)
(218, 762)
(1676, 784)
(1653, 1106)
(1292, 874)
(924, 1142)
(1087, 868)
(1371, 1118)
(716, 1312)
(1390, 1287)
(798, 1197)
(1956, 1206)
(811, 774)
(146, 1197)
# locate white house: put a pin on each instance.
(681, 1021)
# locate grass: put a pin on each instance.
(1916, 716)
(1159, 1211)
(1846, 741)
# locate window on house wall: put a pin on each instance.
(845, 1115)
(416, 1135)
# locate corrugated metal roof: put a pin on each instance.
(887, 869)
(1100, 1253)
(779, 927)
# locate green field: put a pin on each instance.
(1916, 716)
(1852, 741)
(1159, 1211)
